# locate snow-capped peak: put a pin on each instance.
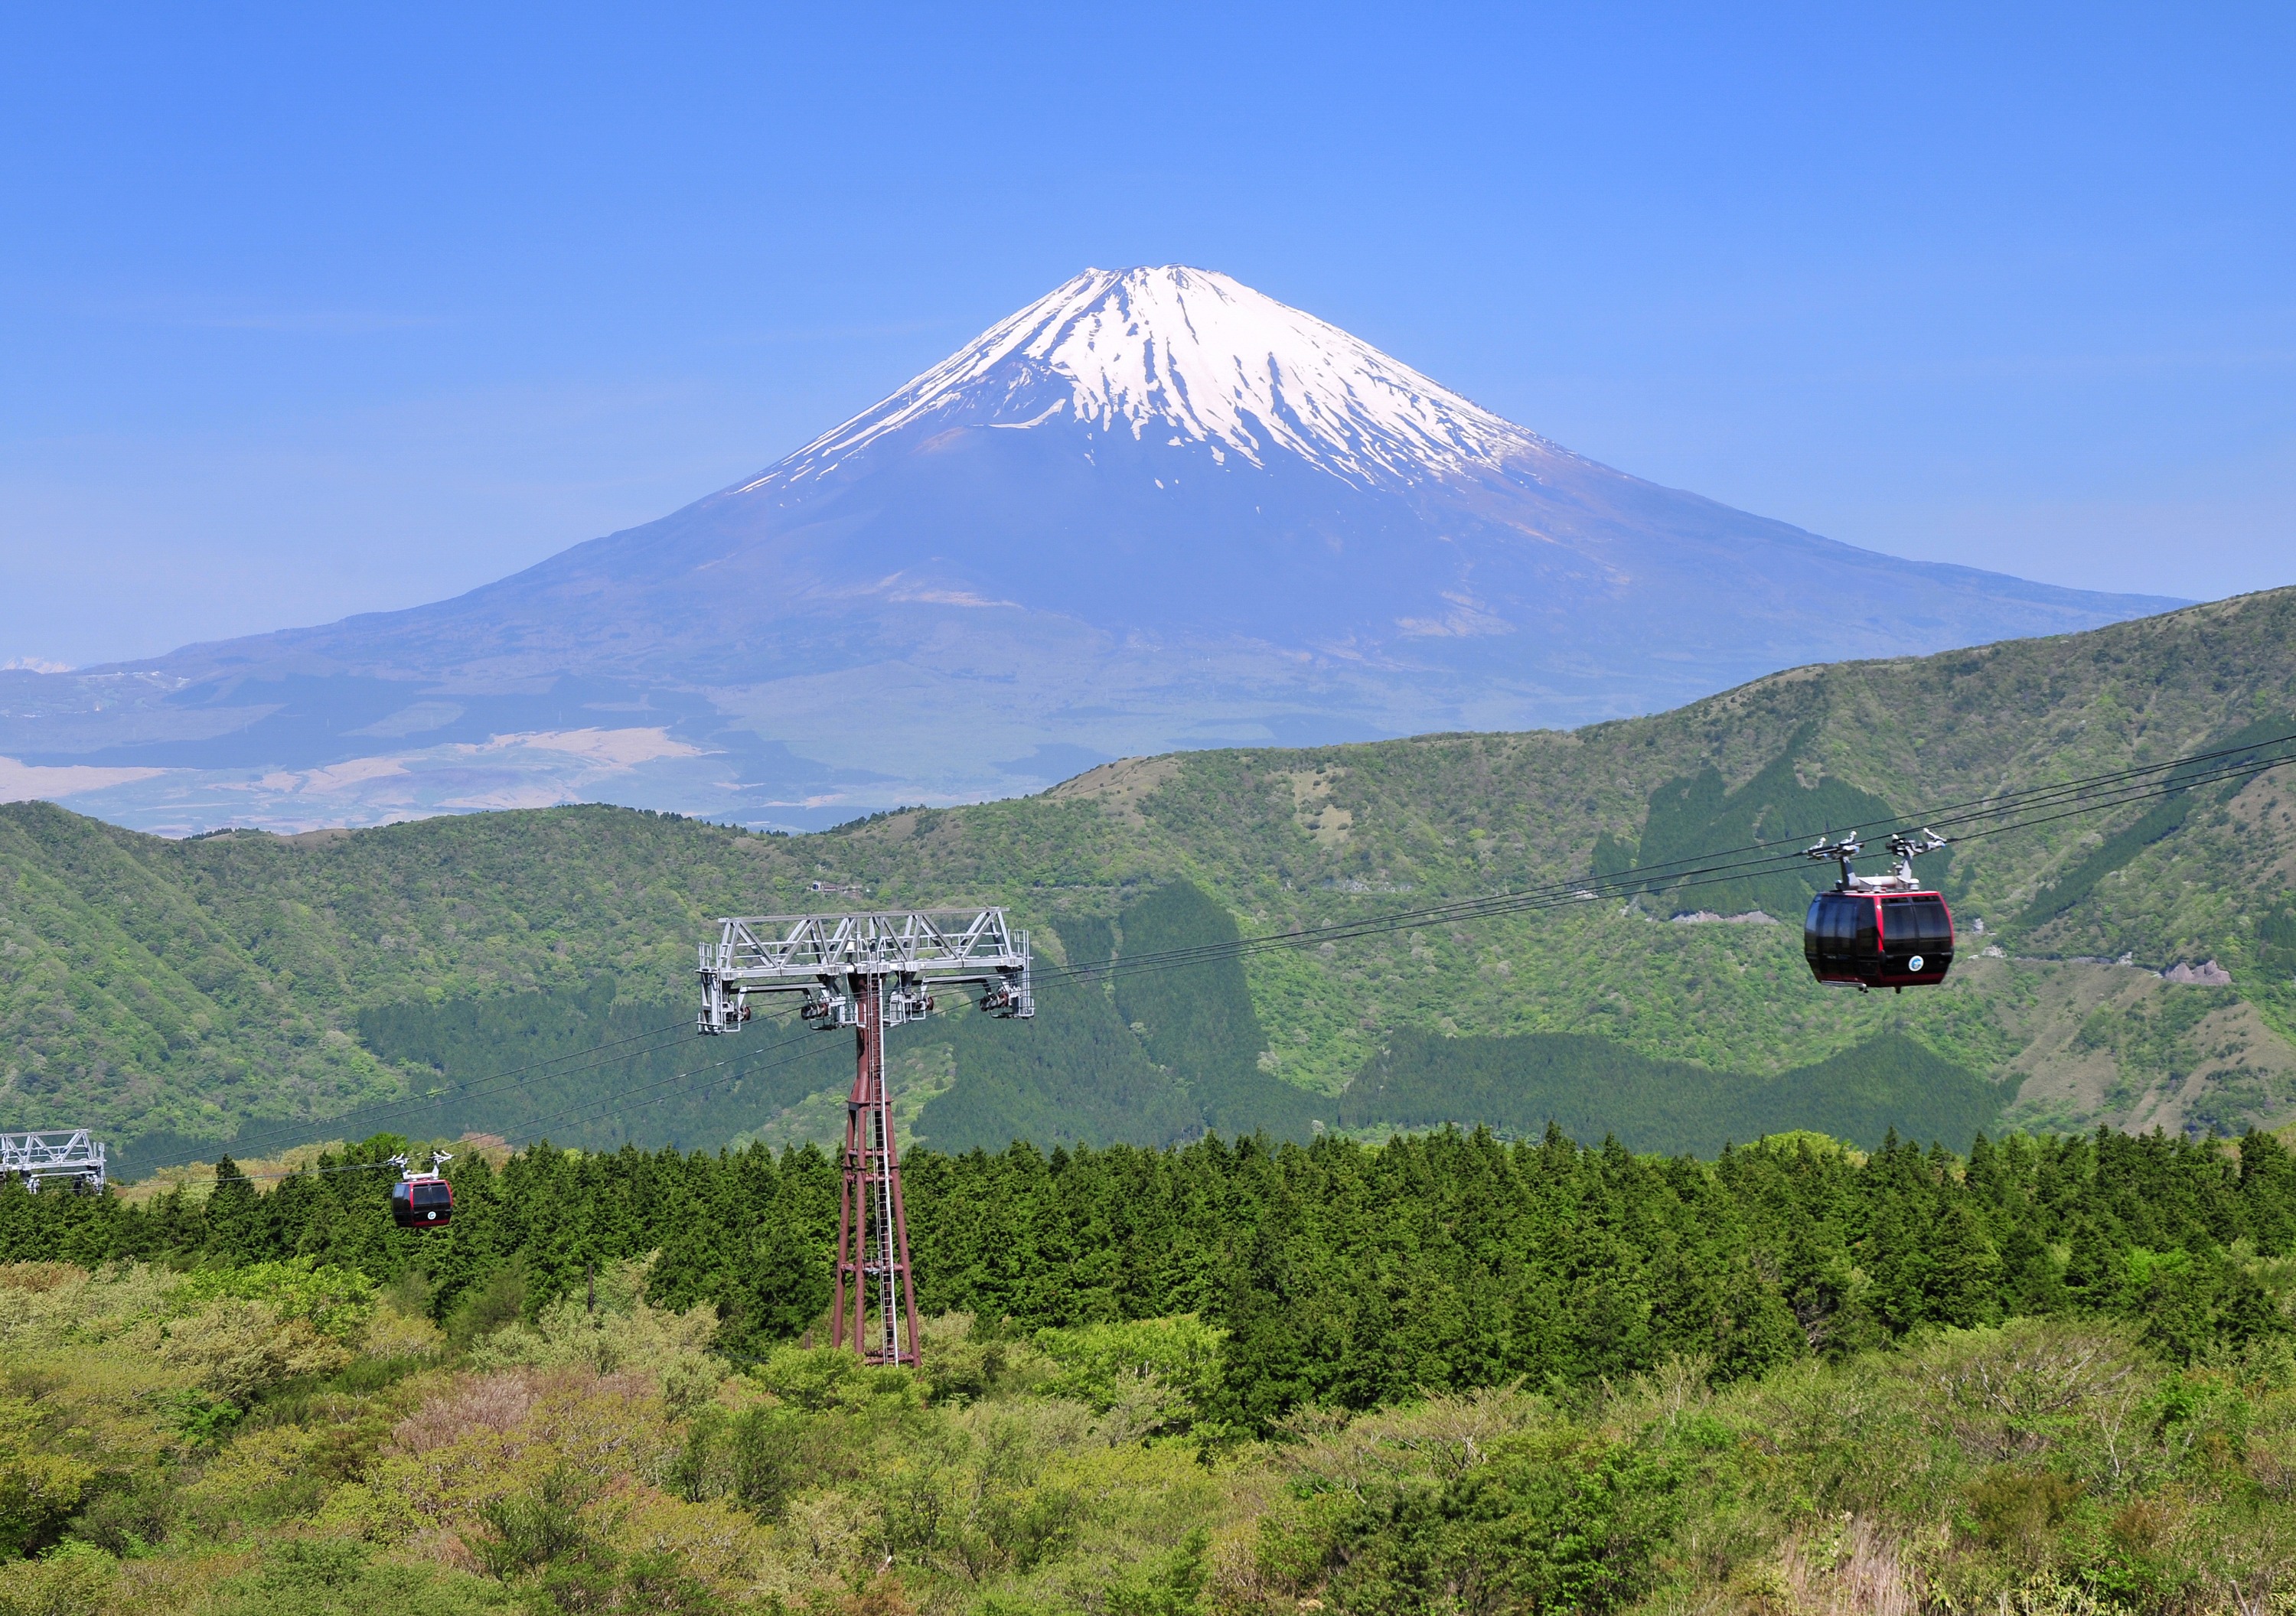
(1194, 355)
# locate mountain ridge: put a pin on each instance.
(1154, 509)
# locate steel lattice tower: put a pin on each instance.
(872, 973)
(872, 1227)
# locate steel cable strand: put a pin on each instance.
(593, 1110)
(550, 1116)
(1556, 894)
(2244, 765)
(1791, 853)
(270, 1138)
(1154, 964)
(1790, 849)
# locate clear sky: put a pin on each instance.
(327, 309)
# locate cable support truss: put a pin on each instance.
(872, 971)
(67, 1157)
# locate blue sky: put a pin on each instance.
(305, 313)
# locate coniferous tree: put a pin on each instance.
(2031, 1285)
(238, 1224)
(1961, 1274)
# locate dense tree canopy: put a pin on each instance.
(1344, 1274)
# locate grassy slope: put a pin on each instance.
(190, 985)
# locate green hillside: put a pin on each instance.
(191, 993)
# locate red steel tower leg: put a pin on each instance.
(847, 1218)
(872, 1233)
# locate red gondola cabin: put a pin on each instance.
(425, 1202)
(1879, 931)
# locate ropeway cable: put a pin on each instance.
(593, 1106)
(1789, 852)
(290, 1172)
(594, 1109)
(1563, 895)
(492, 1080)
(2110, 790)
(2106, 790)
(269, 1138)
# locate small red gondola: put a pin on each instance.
(421, 1200)
(1879, 931)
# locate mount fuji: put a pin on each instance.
(1153, 509)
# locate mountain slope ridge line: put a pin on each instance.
(281, 981)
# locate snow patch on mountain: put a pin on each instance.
(1190, 356)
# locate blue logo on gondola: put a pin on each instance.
(1915, 964)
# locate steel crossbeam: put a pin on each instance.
(937, 940)
(55, 1155)
(823, 956)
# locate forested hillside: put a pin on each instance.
(1218, 1380)
(203, 992)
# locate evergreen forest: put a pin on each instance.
(1447, 1371)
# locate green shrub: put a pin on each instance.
(481, 1312)
(335, 1301)
(1168, 1370)
(39, 1490)
(819, 1378)
(1556, 1521)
